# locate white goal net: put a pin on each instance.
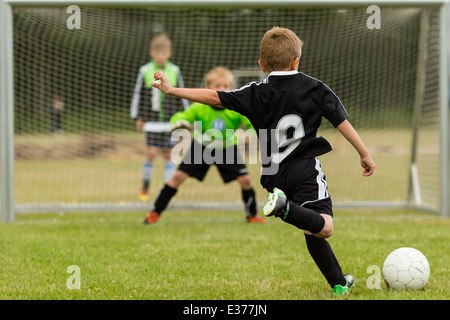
(76, 146)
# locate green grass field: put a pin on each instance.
(205, 255)
(200, 254)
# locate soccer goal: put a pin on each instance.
(69, 69)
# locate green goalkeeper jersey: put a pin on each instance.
(213, 127)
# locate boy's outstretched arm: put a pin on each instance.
(205, 96)
(347, 130)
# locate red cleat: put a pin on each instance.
(151, 218)
(255, 219)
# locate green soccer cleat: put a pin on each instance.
(276, 204)
(350, 281)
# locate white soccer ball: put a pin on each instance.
(406, 268)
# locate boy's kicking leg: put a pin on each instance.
(321, 225)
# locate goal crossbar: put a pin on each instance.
(229, 3)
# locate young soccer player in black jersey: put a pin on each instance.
(286, 110)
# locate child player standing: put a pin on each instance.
(152, 109)
(230, 165)
(286, 110)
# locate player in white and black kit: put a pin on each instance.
(286, 110)
(152, 110)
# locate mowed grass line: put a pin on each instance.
(208, 255)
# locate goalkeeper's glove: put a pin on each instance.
(180, 124)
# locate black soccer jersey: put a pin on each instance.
(286, 110)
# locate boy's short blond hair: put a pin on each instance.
(217, 73)
(161, 42)
(278, 47)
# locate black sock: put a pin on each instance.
(248, 196)
(303, 218)
(164, 197)
(323, 256)
(145, 184)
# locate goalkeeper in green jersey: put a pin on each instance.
(219, 149)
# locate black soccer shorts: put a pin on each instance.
(230, 168)
(159, 139)
(304, 183)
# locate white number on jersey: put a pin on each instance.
(293, 123)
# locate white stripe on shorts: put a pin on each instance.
(321, 182)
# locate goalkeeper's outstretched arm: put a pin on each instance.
(205, 96)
